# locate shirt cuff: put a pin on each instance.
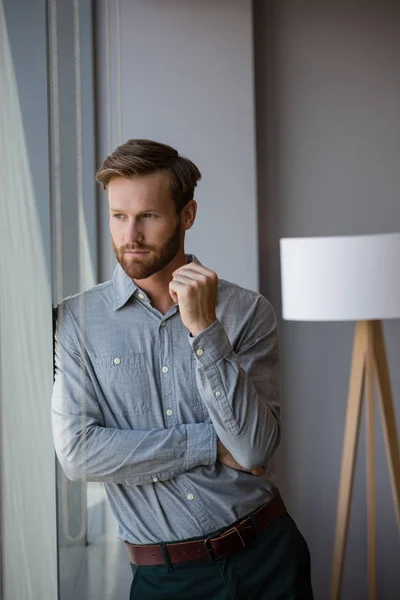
(210, 345)
(201, 445)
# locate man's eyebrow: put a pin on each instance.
(142, 212)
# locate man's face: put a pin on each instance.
(145, 228)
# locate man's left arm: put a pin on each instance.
(241, 388)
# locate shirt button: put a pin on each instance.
(200, 352)
(190, 497)
(169, 412)
(163, 324)
(141, 296)
(165, 369)
(218, 394)
(155, 479)
(117, 361)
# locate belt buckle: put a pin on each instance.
(247, 531)
(208, 549)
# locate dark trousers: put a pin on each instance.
(276, 566)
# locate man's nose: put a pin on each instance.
(134, 233)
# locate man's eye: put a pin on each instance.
(147, 215)
(119, 216)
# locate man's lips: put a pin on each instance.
(136, 251)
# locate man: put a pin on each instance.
(166, 390)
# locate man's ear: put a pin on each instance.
(189, 212)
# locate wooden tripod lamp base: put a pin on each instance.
(352, 278)
(369, 367)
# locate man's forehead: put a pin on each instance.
(157, 178)
(139, 185)
(139, 194)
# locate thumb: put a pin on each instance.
(173, 295)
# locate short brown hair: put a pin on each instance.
(142, 157)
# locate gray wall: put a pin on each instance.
(187, 80)
(328, 134)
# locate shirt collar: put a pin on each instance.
(124, 287)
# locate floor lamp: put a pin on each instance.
(352, 278)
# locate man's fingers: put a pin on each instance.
(258, 471)
(189, 274)
(180, 278)
(195, 267)
(177, 286)
(195, 270)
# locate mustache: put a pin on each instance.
(130, 247)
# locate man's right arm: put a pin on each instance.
(89, 451)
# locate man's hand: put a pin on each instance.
(226, 458)
(194, 288)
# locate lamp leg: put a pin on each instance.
(351, 433)
(370, 463)
(388, 416)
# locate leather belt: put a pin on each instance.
(235, 538)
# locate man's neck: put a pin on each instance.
(157, 286)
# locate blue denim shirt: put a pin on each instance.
(138, 404)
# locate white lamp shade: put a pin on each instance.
(341, 278)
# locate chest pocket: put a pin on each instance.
(124, 379)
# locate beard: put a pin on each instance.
(157, 259)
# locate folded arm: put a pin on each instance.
(241, 388)
(87, 450)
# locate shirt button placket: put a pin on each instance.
(166, 373)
